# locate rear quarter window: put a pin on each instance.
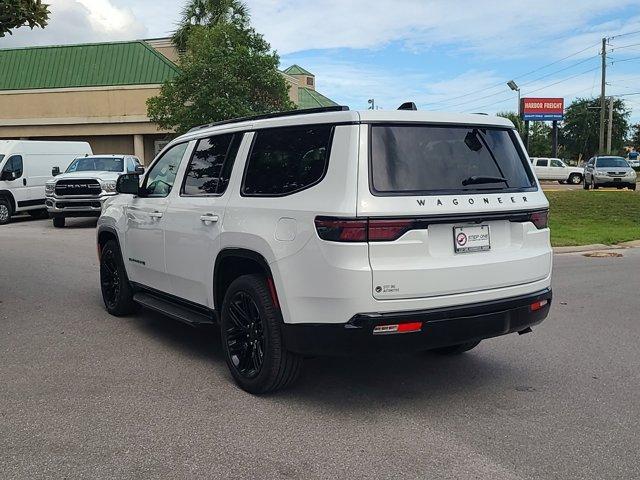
(287, 160)
(436, 159)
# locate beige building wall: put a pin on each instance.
(113, 119)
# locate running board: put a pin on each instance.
(171, 309)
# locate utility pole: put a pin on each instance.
(602, 94)
(372, 103)
(610, 125)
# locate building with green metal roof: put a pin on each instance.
(97, 92)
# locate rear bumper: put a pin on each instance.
(440, 327)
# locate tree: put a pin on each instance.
(635, 137)
(208, 13)
(19, 13)
(515, 119)
(228, 71)
(582, 126)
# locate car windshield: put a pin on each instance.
(418, 159)
(608, 162)
(96, 164)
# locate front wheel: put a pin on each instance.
(632, 186)
(252, 338)
(455, 349)
(117, 293)
(5, 211)
(58, 222)
(585, 184)
(594, 185)
(575, 178)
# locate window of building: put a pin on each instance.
(287, 160)
(310, 81)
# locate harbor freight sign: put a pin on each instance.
(542, 109)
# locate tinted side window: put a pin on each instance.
(556, 163)
(162, 175)
(287, 160)
(542, 163)
(203, 175)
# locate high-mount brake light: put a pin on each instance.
(362, 230)
(540, 219)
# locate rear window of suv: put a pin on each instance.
(430, 159)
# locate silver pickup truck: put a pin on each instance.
(85, 185)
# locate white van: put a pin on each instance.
(25, 167)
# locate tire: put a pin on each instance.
(5, 211)
(632, 186)
(575, 179)
(562, 182)
(585, 185)
(455, 349)
(594, 185)
(117, 293)
(58, 222)
(252, 338)
(38, 214)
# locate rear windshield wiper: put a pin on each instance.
(476, 180)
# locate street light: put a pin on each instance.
(514, 86)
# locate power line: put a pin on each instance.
(533, 91)
(625, 60)
(526, 83)
(624, 34)
(624, 46)
(514, 78)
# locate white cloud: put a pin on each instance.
(490, 27)
(78, 21)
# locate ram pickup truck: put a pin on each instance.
(84, 186)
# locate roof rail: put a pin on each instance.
(306, 111)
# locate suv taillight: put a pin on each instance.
(540, 219)
(362, 230)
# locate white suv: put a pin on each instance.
(333, 232)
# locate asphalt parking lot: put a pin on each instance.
(87, 395)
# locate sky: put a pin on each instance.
(446, 55)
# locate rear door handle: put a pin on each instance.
(208, 218)
(155, 214)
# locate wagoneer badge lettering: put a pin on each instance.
(471, 201)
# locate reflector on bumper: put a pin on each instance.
(397, 328)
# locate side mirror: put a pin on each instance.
(139, 170)
(128, 183)
(55, 171)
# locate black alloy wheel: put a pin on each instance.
(245, 335)
(252, 340)
(117, 293)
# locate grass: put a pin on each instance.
(583, 217)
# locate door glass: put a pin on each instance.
(13, 166)
(203, 172)
(556, 163)
(160, 179)
(542, 163)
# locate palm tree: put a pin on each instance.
(208, 13)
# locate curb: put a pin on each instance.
(596, 247)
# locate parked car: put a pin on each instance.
(556, 169)
(84, 186)
(332, 232)
(25, 166)
(608, 171)
(633, 160)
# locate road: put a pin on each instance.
(87, 395)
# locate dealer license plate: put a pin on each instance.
(474, 238)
